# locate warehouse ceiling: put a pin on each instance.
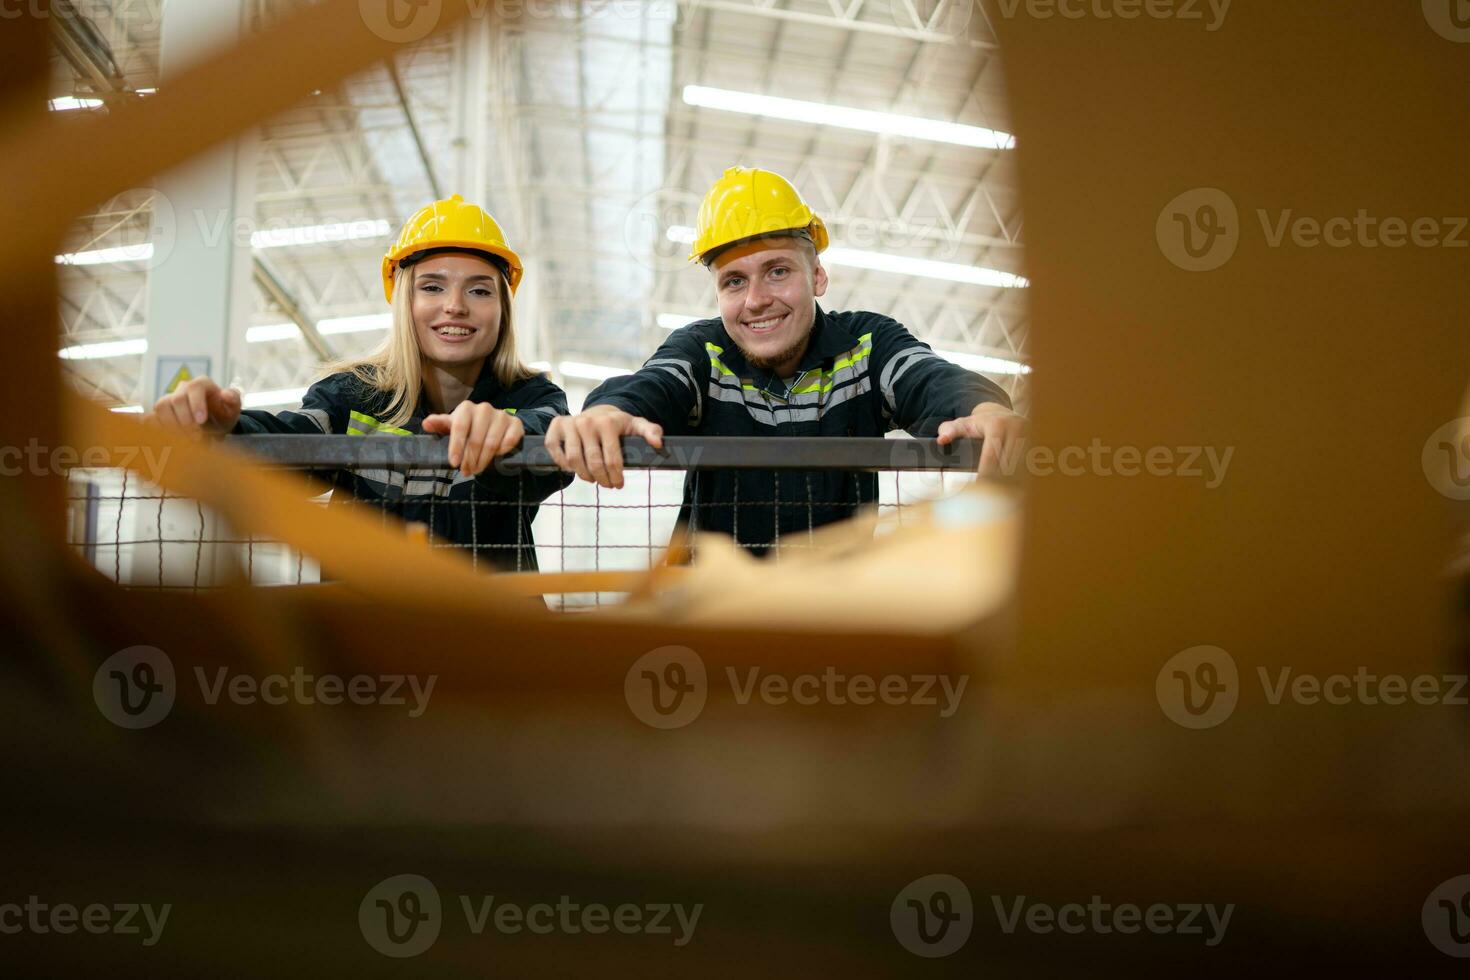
(573, 124)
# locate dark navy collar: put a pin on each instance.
(486, 385)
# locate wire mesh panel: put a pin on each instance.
(769, 496)
(140, 536)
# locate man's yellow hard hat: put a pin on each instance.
(450, 224)
(750, 203)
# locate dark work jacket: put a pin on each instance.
(862, 375)
(490, 513)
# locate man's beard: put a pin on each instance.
(771, 361)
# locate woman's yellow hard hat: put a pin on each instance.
(750, 203)
(450, 224)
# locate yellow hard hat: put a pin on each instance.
(450, 224)
(750, 203)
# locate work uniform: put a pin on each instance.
(862, 375)
(490, 514)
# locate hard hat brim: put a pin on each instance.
(815, 232)
(513, 267)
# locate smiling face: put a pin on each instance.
(456, 308)
(767, 291)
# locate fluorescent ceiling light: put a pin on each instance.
(355, 324)
(341, 231)
(846, 117)
(592, 372)
(673, 321)
(927, 268)
(67, 103)
(272, 331)
(254, 335)
(108, 348)
(130, 409)
(331, 325)
(902, 264)
(984, 363)
(141, 252)
(276, 396)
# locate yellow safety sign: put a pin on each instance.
(179, 377)
(174, 370)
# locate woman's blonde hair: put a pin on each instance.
(395, 369)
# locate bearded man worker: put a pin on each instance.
(776, 364)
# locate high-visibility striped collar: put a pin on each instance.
(828, 339)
